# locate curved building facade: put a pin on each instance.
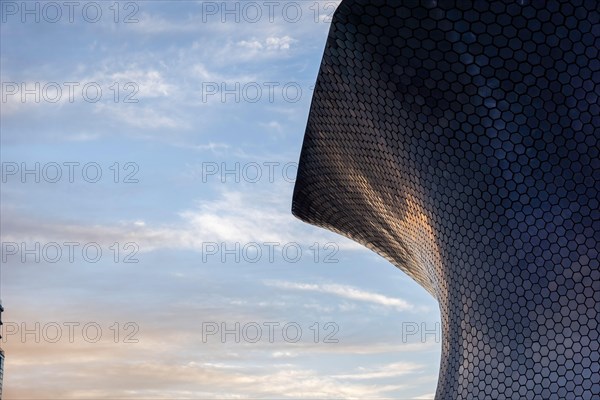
(460, 140)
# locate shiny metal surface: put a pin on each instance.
(461, 141)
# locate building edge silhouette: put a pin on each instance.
(460, 140)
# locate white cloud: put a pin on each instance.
(116, 89)
(151, 83)
(201, 72)
(180, 379)
(427, 396)
(242, 217)
(271, 43)
(284, 354)
(21, 96)
(143, 117)
(345, 291)
(210, 146)
(82, 137)
(156, 24)
(251, 44)
(273, 126)
(386, 371)
(279, 43)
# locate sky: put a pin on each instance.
(148, 152)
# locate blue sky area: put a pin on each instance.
(172, 132)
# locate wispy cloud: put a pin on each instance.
(150, 82)
(427, 396)
(153, 24)
(386, 371)
(235, 216)
(205, 74)
(143, 117)
(273, 126)
(178, 379)
(271, 43)
(347, 292)
(214, 147)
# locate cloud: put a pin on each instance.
(170, 361)
(151, 83)
(279, 43)
(214, 147)
(274, 126)
(347, 292)
(284, 354)
(180, 379)
(251, 44)
(81, 137)
(204, 74)
(152, 24)
(147, 118)
(271, 43)
(233, 217)
(427, 396)
(22, 96)
(386, 371)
